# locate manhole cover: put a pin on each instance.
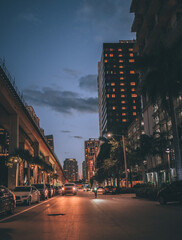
(56, 214)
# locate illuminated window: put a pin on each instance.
(119, 50)
(107, 72)
(114, 66)
(121, 72)
(134, 113)
(133, 89)
(132, 72)
(120, 66)
(131, 54)
(133, 95)
(123, 102)
(114, 90)
(121, 84)
(132, 83)
(106, 55)
(131, 60)
(123, 114)
(130, 49)
(122, 96)
(111, 72)
(105, 60)
(134, 107)
(107, 95)
(121, 60)
(113, 107)
(110, 55)
(120, 55)
(111, 49)
(112, 84)
(134, 101)
(122, 90)
(123, 108)
(113, 95)
(123, 120)
(121, 78)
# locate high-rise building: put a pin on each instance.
(70, 168)
(119, 103)
(91, 147)
(83, 171)
(50, 140)
(156, 23)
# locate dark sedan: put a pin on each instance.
(7, 200)
(43, 190)
(110, 189)
(170, 193)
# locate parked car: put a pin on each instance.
(69, 188)
(50, 190)
(109, 189)
(170, 193)
(100, 190)
(58, 190)
(7, 200)
(43, 190)
(27, 195)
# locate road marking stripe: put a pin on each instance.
(26, 210)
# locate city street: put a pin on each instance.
(84, 217)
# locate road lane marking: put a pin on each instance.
(26, 210)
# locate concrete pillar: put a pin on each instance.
(36, 169)
(14, 143)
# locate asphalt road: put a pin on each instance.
(81, 217)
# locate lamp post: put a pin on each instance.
(109, 135)
(169, 163)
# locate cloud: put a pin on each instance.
(29, 17)
(88, 82)
(78, 137)
(61, 101)
(65, 131)
(107, 18)
(71, 72)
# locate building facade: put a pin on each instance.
(119, 103)
(50, 140)
(70, 168)
(158, 22)
(91, 148)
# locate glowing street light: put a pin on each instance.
(169, 163)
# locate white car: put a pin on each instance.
(27, 195)
(69, 188)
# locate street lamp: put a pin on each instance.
(110, 135)
(169, 163)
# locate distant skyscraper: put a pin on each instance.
(91, 147)
(50, 140)
(83, 170)
(117, 81)
(70, 168)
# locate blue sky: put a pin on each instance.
(52, 48)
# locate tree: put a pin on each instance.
(162, 80)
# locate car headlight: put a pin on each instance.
(74, 188)
(63, 188)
